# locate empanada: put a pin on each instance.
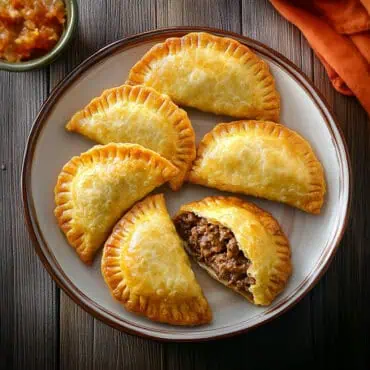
(238, 244)
(140, 115)
(147, 270)
(94, 189)
(214, 74)
(263, 159)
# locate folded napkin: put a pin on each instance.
(339, 33)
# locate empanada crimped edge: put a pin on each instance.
(160, 103)
(270, 105)
(63, 190)
(311, 202)
(263, 294)
(185, 312)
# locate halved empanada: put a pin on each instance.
(94, 189)
(238, 244)
(263, 159)
(140, 115)
(147, 270)
(214, 74)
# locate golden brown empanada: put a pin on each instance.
(147, 270)
(94, 189)
(238, 244)
(214, 74)
(140, 115)
(263, 159)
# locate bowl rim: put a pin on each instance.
(63, 42)
(49, 260)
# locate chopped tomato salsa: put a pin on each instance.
(29, 28)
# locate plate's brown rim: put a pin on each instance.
(125, 43)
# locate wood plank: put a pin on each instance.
(290, 333)
(84, 342)
(331, 309)
(28, 296)
(330, 326)
(76, 330)
(115, 350)
(224, 14)
(341, 298)
(261, 22)
(122, 351)
(76, 336)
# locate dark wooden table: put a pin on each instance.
(41, 328)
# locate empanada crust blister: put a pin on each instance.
(214, 74)
(260, 238)
(148, 271)
(263, 159)
(94, 189)
(140, 115)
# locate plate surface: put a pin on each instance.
(313, 238)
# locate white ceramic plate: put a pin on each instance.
(313, 238)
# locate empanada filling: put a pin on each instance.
(216, 246)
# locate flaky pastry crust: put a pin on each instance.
(260, 238)
(147, 270)
(94, 189)
(211, 73)
(263, 159)
(140, 115)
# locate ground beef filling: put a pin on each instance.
(216, 246)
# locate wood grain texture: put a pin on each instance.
(41, 328)
(224, 14)
(81, 336)
(281, 337)
(76, 327)
(115, 350)
(122, 351)
(27, 296)
(76, 349)
(340, 302)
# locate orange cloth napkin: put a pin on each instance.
(339, 33)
